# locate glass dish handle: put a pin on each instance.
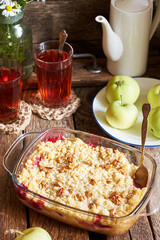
(12, 155)
(154, 204)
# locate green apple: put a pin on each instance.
(121, 115)
(153, 96)
(154, 121)
(34, 233)
(122, 85)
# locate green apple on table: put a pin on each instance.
(121, 115)
(153, 96)
(34, 233)
(122, 85)
(154, 121)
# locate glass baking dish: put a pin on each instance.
(24, 146)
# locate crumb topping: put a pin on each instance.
(95, 179)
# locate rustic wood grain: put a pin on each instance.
(141, 229)
(77, 18)
(12, 213)
(124, 236)
(155, 223)
(84, 119)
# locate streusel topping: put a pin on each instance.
(95, 179)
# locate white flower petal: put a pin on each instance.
(2, 6)
(12, 13)
(6, 2)
(16, 10)
(1, 1)
(5, 13)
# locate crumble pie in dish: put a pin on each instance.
(71, 172)
(80, 179)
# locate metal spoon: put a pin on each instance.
(141, 174)
(62, 38)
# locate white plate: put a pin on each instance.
(131, 136)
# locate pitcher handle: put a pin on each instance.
(9, 160)
(156, 20)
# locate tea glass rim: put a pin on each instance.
(21, 72)
(51, 63)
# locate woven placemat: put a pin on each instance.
(53, 113)
(21, 123)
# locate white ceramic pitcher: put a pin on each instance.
(126, 39)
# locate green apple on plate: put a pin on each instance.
(154, 121)
(121, 115)
(153, 96)
(34, 233)
(122, 85)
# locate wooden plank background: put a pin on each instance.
(77, 17)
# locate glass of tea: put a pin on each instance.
(54, 73)
(11, 81)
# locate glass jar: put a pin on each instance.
(16, 41)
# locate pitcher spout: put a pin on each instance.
(111, 42)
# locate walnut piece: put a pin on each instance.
(62, 170)
(92, 181)
(91, 205)
(46, 169)
(88, 194)
(44, 184)
(60, 193)
(81, 197)
(116, 198)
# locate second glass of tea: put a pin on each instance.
(11, 81)
(54, 73)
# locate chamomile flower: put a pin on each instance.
(10, 8)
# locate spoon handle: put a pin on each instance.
(146, 108)
(62, 38)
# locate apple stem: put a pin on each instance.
(121, 99)
(21, 233)
(118, 83)
(14, 231)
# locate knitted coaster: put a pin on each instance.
(21, 123)
(53, 113)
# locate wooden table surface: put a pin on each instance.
(14, 215)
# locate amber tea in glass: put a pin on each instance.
(54, 73)
(11, 81)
